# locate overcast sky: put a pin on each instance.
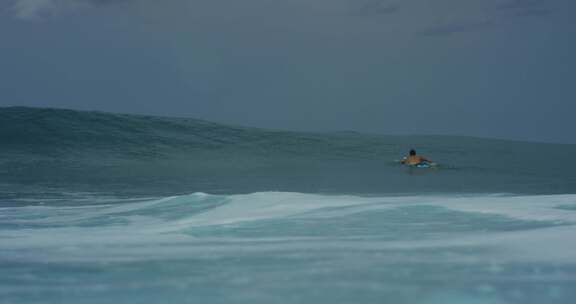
(492, 68)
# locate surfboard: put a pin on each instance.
(423, 165)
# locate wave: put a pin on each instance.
(68, 131)
(78, 151)
(202, 209)
(475, 248)
(273, 220)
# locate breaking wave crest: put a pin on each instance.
(405, 221)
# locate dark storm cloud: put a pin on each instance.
(30, 9)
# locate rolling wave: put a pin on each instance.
(52, 150)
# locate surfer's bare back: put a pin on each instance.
(414, 159)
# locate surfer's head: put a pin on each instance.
(412, 152)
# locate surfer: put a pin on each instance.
(414, 160)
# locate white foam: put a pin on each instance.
(116, 241)
(534, 207)
(266, 206)
(272, 205)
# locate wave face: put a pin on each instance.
(51, 150)
(278, 247)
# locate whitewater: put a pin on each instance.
(288, 247)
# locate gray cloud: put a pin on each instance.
(521, 4)
(535, 12)
(456, 27)
(525, 8)
(494, 16)
(31, 9)
(377, 7)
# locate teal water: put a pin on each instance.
(113, 208)
(52, 151)
(291, 248)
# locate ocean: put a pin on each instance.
(110, 208)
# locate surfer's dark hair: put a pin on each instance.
(412, 152)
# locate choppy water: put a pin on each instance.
(279, 247)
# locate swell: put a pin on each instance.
(50, 150)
